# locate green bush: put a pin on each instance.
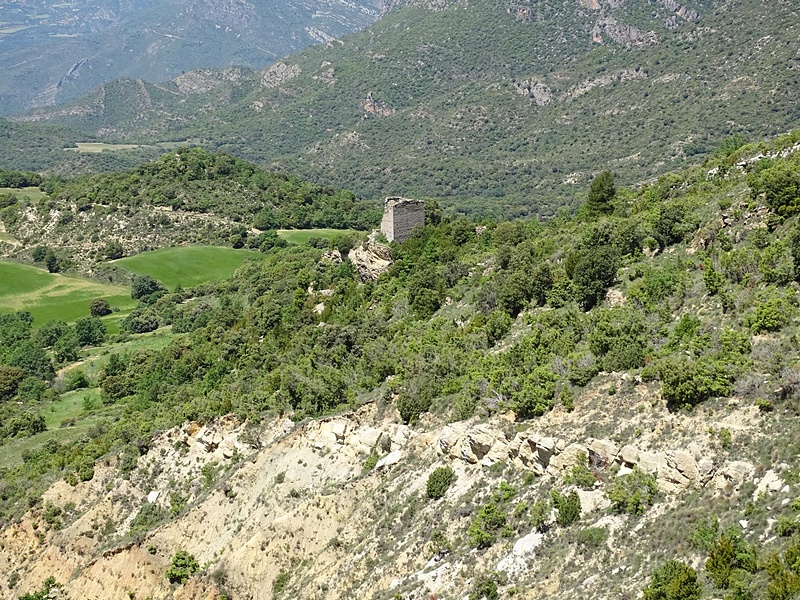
(581, 475)
(673, 581)
(633, 493)
(727, 553)
(184, 565)
(371, 461)
(485, 587)
(770, 315)
(780, 185)
(281, 582)
(439, 481)
(689, 382)
(483, 530)
(568, 507)
(592, 537)
(99, 307)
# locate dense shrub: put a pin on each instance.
(90, 331)
(689, 382)
(568, 507)
(632, 493)
(673, 581)
(99, 307)
(483, 530)
(439, 481)
(184, 565)
(727, 553)
(592, 537)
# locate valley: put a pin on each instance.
(560, 361)
(507, 409)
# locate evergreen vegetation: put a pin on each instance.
(457, 325)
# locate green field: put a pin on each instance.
(34, 193)
(97, 358)
(187, 266)
(301, 236)
(95, 147)
(66, 420)
(51, 296)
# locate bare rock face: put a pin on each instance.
(732, 475)
(477, 443)
(602, 452)
(370, 260)
(205, 80)
(535, 89)
(449, 438)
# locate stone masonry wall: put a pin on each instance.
(400, 217)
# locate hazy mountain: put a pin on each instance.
(52, 52)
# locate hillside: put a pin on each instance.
(596, 406)
(54, 52)
(495, 107)
(189, 196)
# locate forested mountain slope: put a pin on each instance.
(594, 406)
(54, 52)
(495, 106)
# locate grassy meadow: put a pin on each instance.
(32, 193)
(301, 236)
(187, 266)
(51, 296)
(68, 418)
(95, 147)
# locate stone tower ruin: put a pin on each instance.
(400, 217)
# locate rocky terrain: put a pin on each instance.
(255, 501)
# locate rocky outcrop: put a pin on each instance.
(681, 10)
(534, 89)
(278, 74)
(370, 260)
(205, 80)
(621, 33)
(675, 469)
(377, 107)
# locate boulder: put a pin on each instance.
(546, 448)
(524, 546)
(399, 434)
(705, 470)
(390, 459)
(369, 261)
(651, 462)
(209, 439)
(368, 437)
(527, 453)
(602, 452)
(339, 429)
(477, 443)
(732, 475)
(629, 455)
(449, 438)
(593, 500)
(769, 484)
(568, 458)
(498, 453)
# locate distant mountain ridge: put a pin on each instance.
(53, 52)
(496, 106)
